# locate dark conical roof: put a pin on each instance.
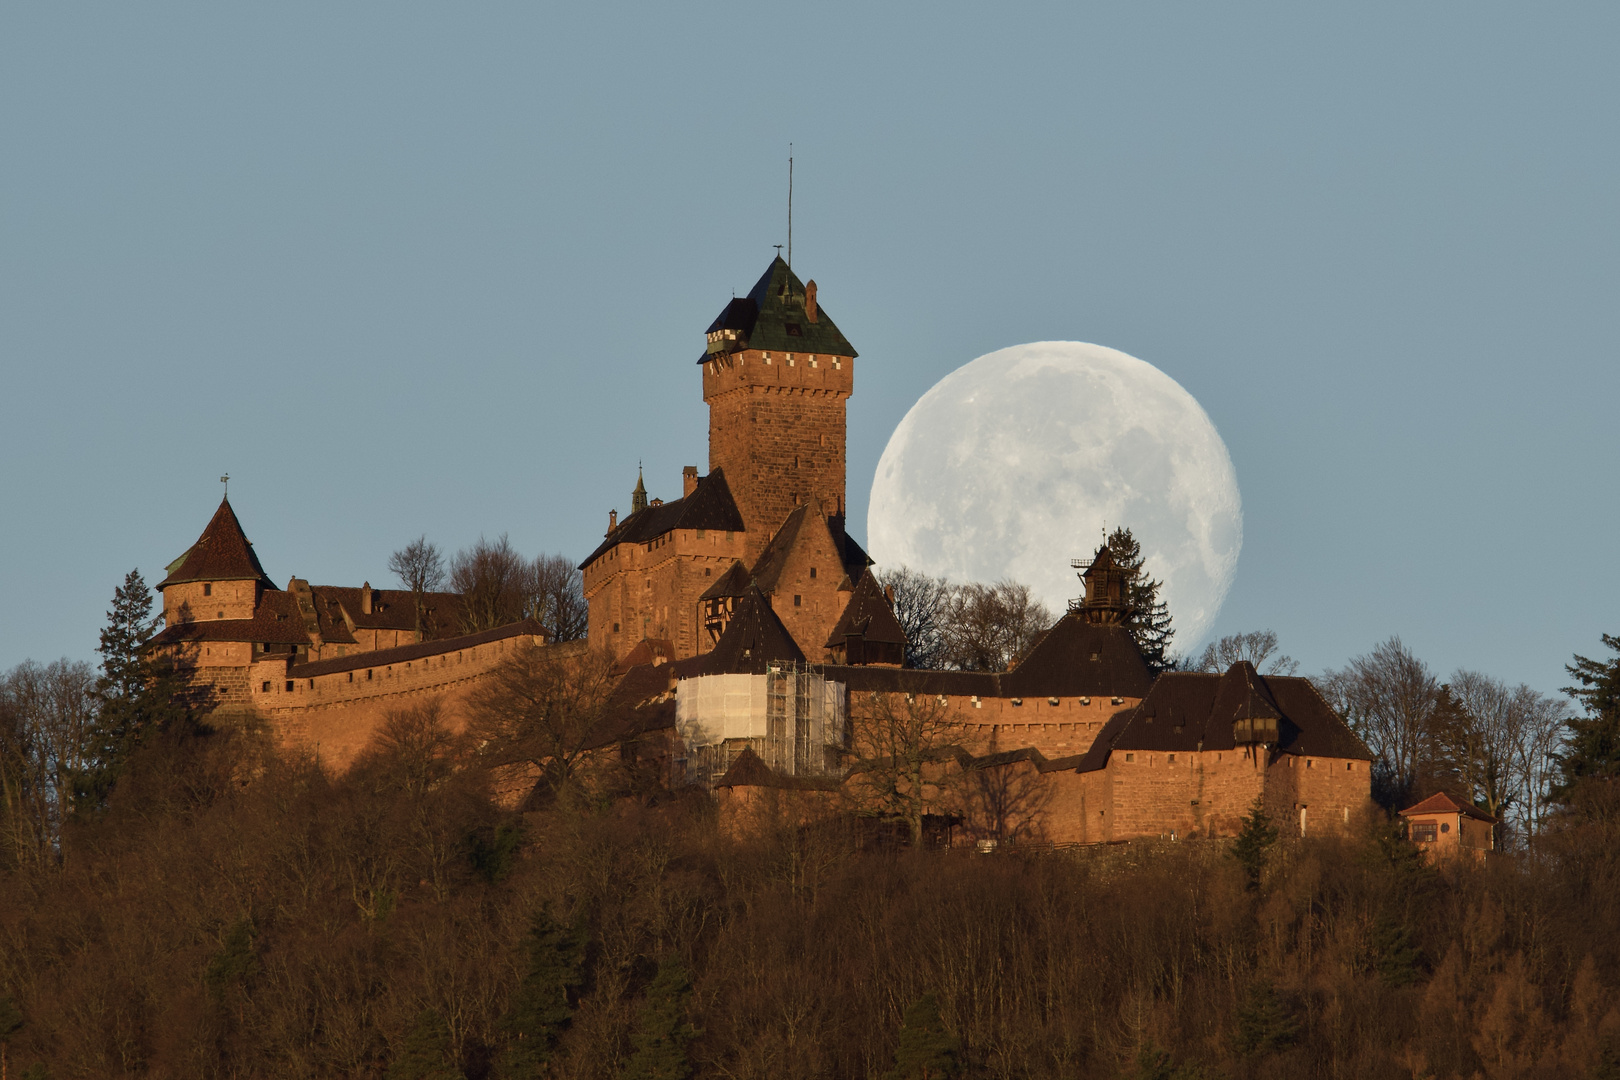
(773, 316)
(754, 639)
(221, 553)
(868, 614)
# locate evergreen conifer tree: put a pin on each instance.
(1253, 842)
(1147, 617)
(424, 1054)
(1592, 749)
(544, 1001)
(1265, 1022)
(926, 1051)
(138, 692)
(663, 1034)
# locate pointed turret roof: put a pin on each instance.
(221, 553)
(754, 639)
(774, 316)
(868, 614)
(638, 497)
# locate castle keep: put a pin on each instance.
(753, 641)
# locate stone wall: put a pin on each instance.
(335, 714)
(777, 427)
(637, 591)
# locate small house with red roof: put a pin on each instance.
(1443, 827)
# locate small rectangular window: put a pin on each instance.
(1130, 757)
(289, 686)
(701, 533)
(1423, 832)
(1171, 759)
(208, 588)
(798, 601)
(812, 573)
(267, 686)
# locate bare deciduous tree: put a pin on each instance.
(557, 597)
(922, 604)
(539, 708)
(1258, 647)
(1389, 697)
(420, 568)
(48, 749)
(493, 580)
(988, 627)
(900, 748)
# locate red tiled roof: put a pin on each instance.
(276, 621)
(221, 553)
(1441, 803)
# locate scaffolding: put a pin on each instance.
(791, 716)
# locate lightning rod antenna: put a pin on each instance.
(790, 206)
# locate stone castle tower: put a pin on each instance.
(776, 375)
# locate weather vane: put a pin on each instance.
(226, 480)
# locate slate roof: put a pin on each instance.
(1076, 658)
(646, 651)
(754, 638)
(868, 614)
(276, 621)
(733, 583)
(391, 609)
(383, 657)
(1441, 803)
(772, 317)
(750, 770)
(1195, 711)
(221, 553)
(710, 506)
(642, 701)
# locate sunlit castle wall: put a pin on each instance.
(792, 718)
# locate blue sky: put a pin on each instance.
(409, 269)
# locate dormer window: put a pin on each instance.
(793, 329)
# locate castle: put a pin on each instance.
(753, 642)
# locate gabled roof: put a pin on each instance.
(221, 553)
(1194, 711)
(710, 506)
(1441, 803)
(391, 609)
(868, 614)
(1077, 658)
(772, 317)
(771, 562)
(733, 583)
(276, 621)
(753, 640)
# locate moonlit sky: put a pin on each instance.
(1035, 449)
(405, 269)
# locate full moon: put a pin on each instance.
(1013, 464)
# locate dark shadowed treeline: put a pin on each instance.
(232, 913)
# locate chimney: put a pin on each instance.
(613, 520)
(365, 598)
(688, 480)
(810, 300)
